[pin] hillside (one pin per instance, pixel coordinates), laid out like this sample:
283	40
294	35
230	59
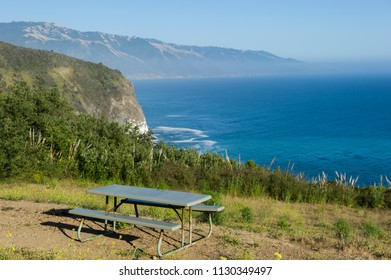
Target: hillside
145	58
91	88
249	229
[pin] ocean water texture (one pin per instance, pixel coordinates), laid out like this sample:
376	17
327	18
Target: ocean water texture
309	125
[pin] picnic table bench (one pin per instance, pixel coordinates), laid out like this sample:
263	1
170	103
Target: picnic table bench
149	197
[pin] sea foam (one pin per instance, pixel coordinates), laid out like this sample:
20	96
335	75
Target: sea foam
187	137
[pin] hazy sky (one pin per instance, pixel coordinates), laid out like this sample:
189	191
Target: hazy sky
308	30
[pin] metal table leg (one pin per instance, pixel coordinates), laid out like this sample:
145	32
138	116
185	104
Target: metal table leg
183	227
190	225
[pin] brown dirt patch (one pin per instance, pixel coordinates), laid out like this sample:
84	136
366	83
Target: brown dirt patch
48	230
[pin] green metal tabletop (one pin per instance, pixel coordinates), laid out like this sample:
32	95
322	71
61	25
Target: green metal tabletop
185	199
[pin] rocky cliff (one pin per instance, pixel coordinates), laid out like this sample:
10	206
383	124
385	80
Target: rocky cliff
88	87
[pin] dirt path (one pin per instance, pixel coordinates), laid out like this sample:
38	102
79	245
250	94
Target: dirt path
48	231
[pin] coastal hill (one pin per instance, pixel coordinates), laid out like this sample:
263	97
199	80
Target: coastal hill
140	58
90	88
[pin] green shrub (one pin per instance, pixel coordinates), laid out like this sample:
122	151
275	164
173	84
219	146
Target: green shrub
284	223
342	230
247	214
373	197
371	230
387	198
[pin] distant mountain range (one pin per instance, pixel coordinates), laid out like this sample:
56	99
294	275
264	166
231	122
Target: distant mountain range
140	58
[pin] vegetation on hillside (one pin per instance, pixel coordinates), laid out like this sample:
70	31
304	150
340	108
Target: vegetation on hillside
88	87
43	139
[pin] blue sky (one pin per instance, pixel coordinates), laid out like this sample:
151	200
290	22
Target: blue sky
308	30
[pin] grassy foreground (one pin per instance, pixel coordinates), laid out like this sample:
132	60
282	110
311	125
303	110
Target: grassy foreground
313	226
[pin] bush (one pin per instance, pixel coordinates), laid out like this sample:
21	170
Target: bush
247	214
371	230
284	224
342	230
40	134
387	198
373	197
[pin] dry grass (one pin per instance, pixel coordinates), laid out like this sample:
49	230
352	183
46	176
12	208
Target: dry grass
64	192
311	227
314	225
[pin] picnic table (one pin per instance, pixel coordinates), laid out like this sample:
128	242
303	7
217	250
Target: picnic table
180	202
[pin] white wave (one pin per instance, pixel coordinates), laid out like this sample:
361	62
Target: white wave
168	129
174	116
208	143
189	137
192	140
202	146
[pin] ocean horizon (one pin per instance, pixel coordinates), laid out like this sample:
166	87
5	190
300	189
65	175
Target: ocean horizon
304	124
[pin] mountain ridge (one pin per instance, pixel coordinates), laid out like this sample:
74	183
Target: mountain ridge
88	87
138	57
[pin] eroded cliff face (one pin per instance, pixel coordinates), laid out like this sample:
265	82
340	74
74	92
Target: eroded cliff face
88	87
117	104
124	108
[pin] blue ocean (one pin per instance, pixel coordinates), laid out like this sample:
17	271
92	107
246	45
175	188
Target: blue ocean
309	125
